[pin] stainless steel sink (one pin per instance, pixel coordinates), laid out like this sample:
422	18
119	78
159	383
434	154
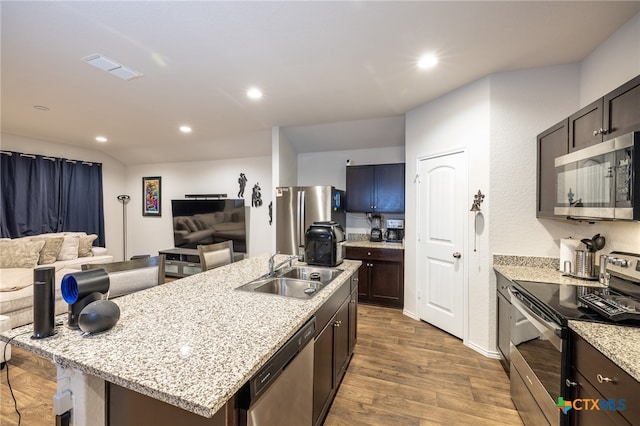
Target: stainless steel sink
302	282
310	273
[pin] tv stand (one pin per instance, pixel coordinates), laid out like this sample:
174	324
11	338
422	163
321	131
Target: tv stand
182	262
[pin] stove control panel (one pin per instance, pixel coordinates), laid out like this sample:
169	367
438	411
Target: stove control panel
626	265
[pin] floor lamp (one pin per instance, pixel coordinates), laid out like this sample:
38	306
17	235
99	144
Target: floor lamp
124	199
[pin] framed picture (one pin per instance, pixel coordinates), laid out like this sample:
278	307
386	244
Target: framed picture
151	196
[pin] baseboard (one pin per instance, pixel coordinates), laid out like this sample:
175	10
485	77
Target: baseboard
483	351
410	315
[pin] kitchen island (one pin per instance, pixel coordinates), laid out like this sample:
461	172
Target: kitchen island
191	343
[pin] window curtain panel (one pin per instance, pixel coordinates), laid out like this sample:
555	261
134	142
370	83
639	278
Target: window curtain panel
40	194
30	201
81	206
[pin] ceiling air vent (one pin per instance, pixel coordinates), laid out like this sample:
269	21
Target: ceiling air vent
112	67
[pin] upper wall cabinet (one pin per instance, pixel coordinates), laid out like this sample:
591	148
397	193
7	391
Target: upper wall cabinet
552	143
615	114
376	188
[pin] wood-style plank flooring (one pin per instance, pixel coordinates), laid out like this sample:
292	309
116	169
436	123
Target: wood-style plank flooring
406	372
403	372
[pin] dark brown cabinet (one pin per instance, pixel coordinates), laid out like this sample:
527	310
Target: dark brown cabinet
375	188
552	143
596	377
381	276
613	115
333	346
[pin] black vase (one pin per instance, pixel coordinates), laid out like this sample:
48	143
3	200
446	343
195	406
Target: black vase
43	302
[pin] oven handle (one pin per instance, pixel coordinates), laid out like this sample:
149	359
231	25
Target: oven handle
549	330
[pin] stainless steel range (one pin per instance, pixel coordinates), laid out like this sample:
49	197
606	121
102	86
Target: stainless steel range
540	346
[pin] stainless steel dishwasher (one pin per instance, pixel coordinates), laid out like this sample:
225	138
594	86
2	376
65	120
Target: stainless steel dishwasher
281	393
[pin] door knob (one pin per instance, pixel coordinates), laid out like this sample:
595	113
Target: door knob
457	255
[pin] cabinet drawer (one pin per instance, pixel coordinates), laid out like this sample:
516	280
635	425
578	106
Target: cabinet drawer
364	253
591	364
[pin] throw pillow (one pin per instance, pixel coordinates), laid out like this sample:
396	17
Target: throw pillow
51	249
12	279
69	249
86	243
20	254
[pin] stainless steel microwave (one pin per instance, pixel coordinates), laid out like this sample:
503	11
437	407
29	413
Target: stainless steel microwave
600	182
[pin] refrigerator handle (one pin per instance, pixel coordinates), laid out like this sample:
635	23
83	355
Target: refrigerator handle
301	218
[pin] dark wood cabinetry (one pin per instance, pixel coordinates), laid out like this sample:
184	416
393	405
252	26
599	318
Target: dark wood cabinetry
504	319
613	115
552	143
381	276
596	377
375	188
333	346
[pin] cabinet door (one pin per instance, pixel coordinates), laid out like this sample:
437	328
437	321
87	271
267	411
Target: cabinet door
552	143
323	370
593	417
504	314
387	283
341	341
353	320
364	280
389	188
585	125
622	109
359	197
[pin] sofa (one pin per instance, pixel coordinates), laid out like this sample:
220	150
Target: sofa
19	257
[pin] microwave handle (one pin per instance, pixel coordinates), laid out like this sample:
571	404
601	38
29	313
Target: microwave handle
549	331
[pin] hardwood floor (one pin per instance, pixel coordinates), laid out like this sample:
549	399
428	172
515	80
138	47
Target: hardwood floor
403	372
406	372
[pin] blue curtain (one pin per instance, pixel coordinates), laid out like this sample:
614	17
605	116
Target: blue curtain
30	201
42	194
81	207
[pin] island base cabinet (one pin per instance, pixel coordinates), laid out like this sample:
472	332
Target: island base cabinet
128	408
333	348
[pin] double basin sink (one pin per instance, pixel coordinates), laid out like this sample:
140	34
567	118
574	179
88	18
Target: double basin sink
302	282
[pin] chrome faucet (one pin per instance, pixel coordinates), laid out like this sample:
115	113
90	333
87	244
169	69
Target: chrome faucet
273	267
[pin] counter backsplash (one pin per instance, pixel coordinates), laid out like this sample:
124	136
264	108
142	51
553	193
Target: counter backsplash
530	261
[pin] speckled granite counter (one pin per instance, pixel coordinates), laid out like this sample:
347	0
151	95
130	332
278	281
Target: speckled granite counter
192	342
618	343
371	244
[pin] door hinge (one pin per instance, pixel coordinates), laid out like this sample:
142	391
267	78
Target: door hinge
417	179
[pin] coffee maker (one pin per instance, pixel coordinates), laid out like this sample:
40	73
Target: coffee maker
376	228
395	231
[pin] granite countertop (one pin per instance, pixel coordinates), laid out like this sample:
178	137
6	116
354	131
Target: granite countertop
621	344
372	244
192	342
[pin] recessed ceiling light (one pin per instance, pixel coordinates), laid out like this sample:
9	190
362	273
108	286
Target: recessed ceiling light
185	129
427	61
41	107
101	139
254	93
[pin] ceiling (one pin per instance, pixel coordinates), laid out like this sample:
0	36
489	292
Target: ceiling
335	75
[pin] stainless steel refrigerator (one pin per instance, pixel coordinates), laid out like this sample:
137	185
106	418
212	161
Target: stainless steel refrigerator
297	207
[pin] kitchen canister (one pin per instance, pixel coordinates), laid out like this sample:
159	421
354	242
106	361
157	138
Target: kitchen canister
568	246
585	264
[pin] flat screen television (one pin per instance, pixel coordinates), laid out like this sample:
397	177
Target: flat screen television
198	222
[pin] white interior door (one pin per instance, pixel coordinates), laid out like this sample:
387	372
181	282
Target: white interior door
441	218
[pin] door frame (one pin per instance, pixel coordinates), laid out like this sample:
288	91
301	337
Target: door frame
465	237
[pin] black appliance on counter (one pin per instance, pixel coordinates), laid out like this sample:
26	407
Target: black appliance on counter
376	228
395	231
540	346
324	244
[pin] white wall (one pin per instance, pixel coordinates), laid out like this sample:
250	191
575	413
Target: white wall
613	63
457	121
148	235
113	179
329	168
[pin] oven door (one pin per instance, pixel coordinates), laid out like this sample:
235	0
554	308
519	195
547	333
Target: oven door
537	363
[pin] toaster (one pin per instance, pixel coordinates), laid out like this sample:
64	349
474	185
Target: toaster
324	244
